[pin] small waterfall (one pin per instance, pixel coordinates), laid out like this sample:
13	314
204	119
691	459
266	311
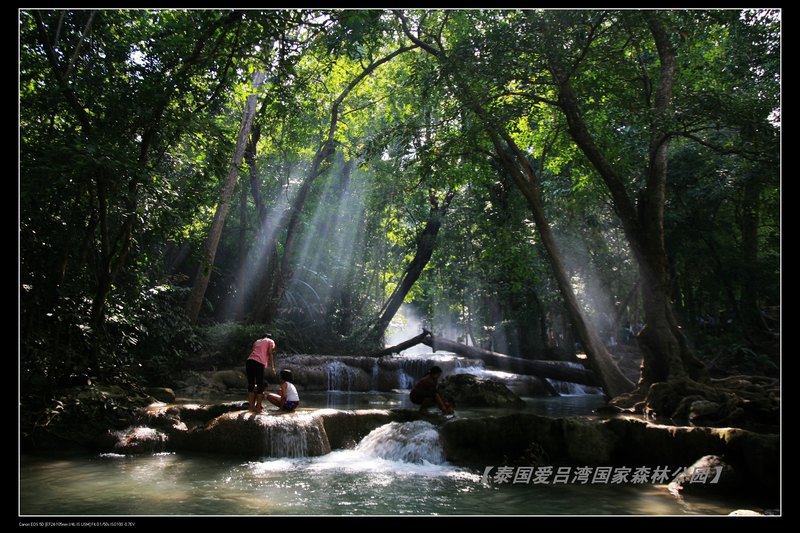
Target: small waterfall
409	442
294	436
375	375
404	381
566	388
408	369
340	376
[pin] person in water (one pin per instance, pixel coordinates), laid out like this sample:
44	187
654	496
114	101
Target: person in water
425	392
288	399
260	356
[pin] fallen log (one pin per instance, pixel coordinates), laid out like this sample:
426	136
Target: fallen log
405	345
543	369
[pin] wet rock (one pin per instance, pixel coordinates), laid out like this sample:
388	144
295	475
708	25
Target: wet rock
139	440
160	416
258	435
205	413
508	440
469	390
161	394
346	428
616	441
708	475
230	379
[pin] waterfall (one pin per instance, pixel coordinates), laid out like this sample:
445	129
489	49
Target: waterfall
375	374
299	435
566	388
340	376
404	381
574	389
408	442
410	368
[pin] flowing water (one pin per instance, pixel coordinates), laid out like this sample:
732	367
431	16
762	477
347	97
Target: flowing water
398	469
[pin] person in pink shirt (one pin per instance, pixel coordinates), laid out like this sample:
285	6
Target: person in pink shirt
260	356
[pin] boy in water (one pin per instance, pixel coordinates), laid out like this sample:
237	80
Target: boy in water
425	393
288	399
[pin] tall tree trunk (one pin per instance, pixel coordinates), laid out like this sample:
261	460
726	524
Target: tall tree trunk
236	305
665	350
612	379
749	304
527	180
198	293
279	273
426	242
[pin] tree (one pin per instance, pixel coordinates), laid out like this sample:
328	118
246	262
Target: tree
425	244
204	272
272	289
119	102
528	181
664	346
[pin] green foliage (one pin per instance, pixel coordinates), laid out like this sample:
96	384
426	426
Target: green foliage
228	344
126	132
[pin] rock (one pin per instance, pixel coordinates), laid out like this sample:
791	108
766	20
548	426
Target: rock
298	434
508	440
160	416
139	440
203	413
466	389
700	410
523	385
631	442
744	512
346	428
162	394
197	385
230	379
709	475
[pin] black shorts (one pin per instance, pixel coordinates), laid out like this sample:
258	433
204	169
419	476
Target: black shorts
419	399
255	376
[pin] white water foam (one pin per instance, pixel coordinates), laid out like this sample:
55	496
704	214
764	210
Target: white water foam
394	449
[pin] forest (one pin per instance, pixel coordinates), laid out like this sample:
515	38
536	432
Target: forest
537	183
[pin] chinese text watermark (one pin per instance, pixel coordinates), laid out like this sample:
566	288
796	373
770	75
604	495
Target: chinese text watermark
609	475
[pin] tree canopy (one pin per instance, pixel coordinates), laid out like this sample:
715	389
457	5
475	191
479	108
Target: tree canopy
477	166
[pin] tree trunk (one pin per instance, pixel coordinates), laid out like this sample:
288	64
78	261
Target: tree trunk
664	347
272	288
527	180
426	242
749	303
198	293
543	369
612	379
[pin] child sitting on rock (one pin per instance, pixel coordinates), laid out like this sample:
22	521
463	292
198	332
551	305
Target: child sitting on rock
288	399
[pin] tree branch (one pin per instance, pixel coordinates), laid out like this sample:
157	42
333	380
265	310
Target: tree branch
69	94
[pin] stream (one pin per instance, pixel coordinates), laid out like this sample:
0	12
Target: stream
398	469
